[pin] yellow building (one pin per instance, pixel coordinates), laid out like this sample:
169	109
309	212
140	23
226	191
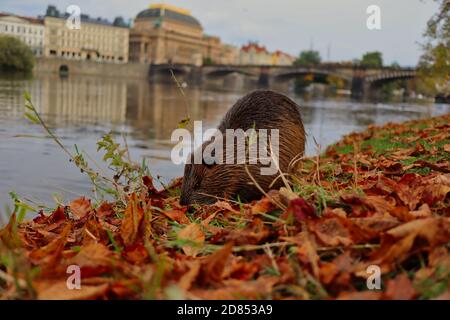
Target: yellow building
96	39
167	34
280	58
254	54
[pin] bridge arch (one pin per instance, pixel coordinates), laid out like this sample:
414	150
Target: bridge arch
386	77
223	72
166	69
316	73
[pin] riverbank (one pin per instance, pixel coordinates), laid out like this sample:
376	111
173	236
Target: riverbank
374	203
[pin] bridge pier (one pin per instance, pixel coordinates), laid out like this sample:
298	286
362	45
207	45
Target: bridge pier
264	78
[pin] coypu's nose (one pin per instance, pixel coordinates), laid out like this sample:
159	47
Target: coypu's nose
184	201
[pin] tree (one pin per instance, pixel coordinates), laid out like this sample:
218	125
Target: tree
120	22
372	59
434	66
308	58
15	55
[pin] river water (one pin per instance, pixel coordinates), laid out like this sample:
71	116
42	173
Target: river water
81	109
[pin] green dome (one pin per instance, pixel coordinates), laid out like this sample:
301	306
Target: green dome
167	13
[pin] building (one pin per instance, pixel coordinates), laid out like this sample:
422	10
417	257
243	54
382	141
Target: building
254	54
97	39
30	30
280	58
167	34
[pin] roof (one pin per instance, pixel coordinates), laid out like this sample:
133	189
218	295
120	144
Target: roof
254	46
282	53
170	12
53	12
29	19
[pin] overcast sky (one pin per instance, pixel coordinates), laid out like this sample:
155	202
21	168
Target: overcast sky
289	25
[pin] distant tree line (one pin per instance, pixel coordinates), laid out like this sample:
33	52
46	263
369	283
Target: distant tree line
15	55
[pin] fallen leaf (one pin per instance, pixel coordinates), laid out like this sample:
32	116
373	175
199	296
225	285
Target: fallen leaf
131	221
195	236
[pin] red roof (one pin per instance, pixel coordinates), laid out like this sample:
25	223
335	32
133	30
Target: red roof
254	46
282	53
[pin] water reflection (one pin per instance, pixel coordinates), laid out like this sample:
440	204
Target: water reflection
80	109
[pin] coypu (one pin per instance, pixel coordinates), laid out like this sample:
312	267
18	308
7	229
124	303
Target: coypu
260	109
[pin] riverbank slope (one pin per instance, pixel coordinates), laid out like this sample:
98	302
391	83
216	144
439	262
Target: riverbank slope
370	218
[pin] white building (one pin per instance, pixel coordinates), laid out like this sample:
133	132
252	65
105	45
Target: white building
30	30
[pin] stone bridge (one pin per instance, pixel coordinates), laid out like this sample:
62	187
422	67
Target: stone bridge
359	80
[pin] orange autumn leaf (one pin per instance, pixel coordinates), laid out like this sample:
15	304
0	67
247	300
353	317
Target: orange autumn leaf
195	237
131	221
80	208
59	291
177	215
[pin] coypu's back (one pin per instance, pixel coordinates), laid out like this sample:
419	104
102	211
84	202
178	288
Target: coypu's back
262	109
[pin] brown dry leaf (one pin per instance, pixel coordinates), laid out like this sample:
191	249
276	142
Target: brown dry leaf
409	189
447	147
51	290
338	271
331	232
360	295
262	206
225	206
214	265
8	235
177	215
92	255
195	236
237	289
306	250
254	233
399	288
434	193
189	277
51	253
131	220
379	204
397	243
135	254
424	211
80	208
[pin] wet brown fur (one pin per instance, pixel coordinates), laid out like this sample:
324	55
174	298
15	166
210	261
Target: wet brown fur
261	109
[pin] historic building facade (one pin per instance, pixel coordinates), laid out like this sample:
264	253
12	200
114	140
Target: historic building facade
254	54
30	31
167	34
280	58
96	40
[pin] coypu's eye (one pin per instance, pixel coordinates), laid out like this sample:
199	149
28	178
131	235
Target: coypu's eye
197	184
